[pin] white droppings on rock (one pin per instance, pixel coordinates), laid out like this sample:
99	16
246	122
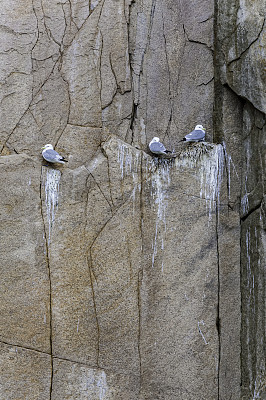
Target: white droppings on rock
229	163
208	162
129	161
51	185
244	198
160	181
244	203
102	386
93	4
202	323
260	386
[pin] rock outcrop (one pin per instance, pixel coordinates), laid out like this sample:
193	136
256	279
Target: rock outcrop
240	94
125	276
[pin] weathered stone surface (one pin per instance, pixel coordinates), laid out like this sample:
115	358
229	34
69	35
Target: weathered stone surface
25	303
120	273
240	43
79	382
25	374
253	179
18	32
175	95
243	43
253	306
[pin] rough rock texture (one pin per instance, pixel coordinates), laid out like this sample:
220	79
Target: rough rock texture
242	29
240	94
124	276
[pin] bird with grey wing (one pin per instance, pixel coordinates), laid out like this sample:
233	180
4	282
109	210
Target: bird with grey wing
50	155
197	135
156	147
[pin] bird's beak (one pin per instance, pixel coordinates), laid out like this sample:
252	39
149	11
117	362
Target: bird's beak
43	147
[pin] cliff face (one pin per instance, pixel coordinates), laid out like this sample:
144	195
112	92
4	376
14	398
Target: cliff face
240	89
125	276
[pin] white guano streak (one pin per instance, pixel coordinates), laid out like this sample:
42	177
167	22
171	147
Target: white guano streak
229	162
208	162
200	331
130	164
211	179
159	184
102	386
244	199
51	186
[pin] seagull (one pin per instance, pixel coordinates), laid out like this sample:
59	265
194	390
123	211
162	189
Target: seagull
197	135
158	148
50	155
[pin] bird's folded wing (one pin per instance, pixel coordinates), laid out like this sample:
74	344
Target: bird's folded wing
51	155
157	147
196	135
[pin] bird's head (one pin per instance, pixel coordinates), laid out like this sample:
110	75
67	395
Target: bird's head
199	127
48	147
155	139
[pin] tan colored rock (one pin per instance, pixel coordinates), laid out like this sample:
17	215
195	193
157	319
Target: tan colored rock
25	374
18	39
25	294
172	66
80	382
121	272
80	69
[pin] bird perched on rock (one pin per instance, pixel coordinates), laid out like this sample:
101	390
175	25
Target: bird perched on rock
156	147
197	135
50	155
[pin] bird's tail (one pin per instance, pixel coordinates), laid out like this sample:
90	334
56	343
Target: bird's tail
63	159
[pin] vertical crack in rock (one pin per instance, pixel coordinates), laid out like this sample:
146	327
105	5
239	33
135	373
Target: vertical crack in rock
220	162
46	241
134	116
169	85
140	272
92	276
228	164
218	320
153	6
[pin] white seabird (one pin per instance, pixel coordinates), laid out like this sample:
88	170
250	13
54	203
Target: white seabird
197	135
50	155
156	147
